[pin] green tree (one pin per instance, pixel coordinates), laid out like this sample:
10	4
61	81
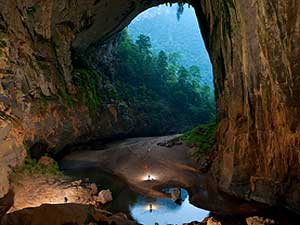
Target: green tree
144	44
158	87
162	64
195	73
183	76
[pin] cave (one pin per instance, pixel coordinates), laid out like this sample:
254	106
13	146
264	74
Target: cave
254	49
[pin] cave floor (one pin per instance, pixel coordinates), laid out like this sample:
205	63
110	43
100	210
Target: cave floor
169	165
134	160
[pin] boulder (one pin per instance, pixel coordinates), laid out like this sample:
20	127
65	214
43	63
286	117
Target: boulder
94	189
255	220
204	222
104	196
175	194
212	221
77	182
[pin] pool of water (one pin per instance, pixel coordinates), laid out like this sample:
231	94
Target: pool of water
163	211
143	209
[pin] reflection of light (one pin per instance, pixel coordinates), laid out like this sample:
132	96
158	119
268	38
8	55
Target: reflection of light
149	177
151	207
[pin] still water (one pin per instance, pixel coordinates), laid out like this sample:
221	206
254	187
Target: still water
164	211
143	209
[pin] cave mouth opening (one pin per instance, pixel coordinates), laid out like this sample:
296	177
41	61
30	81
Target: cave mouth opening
156	74
163	62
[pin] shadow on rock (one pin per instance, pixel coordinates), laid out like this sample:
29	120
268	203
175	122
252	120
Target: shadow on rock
6	203
64	214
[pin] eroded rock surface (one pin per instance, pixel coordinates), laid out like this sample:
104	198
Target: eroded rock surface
255	220
64	214
149	168
254	47
34	190
6	203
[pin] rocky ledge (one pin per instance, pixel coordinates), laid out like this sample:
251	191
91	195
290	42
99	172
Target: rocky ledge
63	214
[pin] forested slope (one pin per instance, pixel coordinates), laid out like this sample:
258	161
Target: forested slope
172	35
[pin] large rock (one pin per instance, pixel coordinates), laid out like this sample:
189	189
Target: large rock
212	221
255	220
254	47
94	189
175	194
64	214
104	196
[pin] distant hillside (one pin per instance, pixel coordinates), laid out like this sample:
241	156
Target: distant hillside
169	34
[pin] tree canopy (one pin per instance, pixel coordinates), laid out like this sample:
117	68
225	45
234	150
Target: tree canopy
159	86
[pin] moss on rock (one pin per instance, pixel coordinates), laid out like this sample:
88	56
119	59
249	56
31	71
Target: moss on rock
202	138
86	80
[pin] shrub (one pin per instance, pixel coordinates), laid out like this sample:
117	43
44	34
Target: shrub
201	137
32	167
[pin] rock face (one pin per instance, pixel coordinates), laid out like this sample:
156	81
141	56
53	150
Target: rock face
32	190
64	214
6	203
254	47
40	107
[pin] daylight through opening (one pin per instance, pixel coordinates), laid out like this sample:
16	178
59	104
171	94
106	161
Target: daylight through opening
157	81
164	71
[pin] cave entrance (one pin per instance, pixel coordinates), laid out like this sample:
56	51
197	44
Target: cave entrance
155	80
163	71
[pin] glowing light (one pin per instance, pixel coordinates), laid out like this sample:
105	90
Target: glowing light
151	207
149	177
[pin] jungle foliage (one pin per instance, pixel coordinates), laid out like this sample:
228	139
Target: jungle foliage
159	87
172	35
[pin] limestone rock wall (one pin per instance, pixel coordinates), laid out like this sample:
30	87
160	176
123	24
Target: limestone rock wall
254	47
39	108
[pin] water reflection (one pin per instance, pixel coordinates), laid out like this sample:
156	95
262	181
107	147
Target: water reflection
144	210
150	211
